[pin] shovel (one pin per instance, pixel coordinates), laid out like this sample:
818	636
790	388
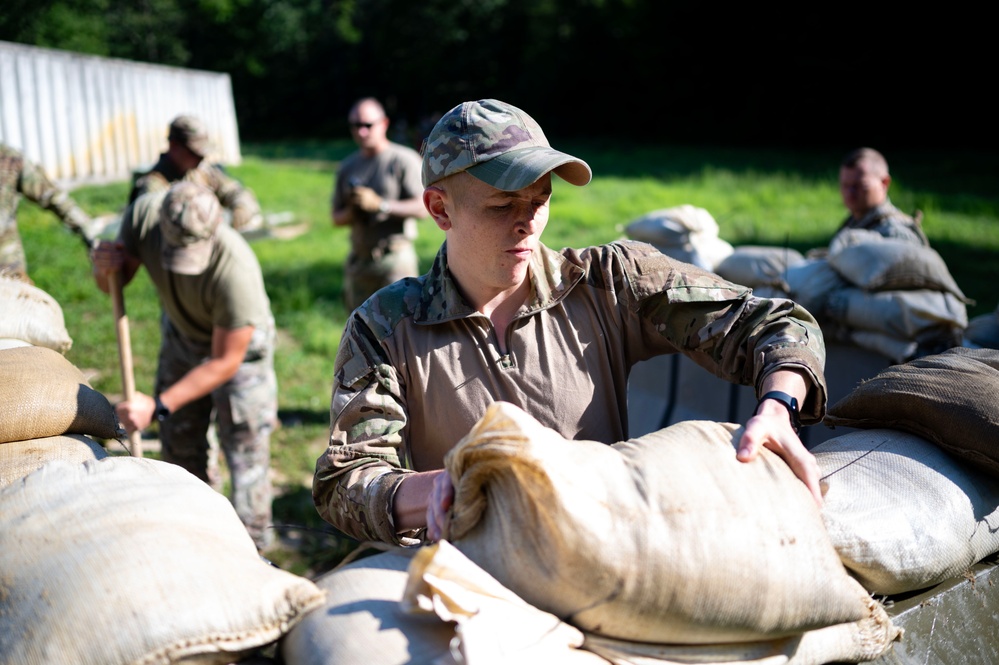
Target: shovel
124	354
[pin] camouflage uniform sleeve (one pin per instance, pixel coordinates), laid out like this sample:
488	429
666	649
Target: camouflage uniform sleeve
36	186
727	330
357	477
235	197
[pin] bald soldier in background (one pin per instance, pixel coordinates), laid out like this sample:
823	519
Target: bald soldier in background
21	177
379	195
185	159
863	184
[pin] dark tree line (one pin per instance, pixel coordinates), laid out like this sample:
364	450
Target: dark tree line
619	69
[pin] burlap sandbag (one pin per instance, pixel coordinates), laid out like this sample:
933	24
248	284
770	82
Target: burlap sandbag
684	232
44	394
32	315
753	265
128	560
493	625
902	513
19	458
361	621
810	282
950	398
892	265
665	538
902	314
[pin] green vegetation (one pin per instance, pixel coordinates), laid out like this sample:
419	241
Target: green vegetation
757	197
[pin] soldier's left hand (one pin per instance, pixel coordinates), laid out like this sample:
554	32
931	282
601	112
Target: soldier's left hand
365	198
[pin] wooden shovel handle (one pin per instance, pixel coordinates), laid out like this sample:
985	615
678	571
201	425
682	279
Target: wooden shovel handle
124	353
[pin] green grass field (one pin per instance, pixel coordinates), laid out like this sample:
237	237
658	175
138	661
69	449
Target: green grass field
757	197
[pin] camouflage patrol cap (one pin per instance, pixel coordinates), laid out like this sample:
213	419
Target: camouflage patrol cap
190	132
188	218
497	143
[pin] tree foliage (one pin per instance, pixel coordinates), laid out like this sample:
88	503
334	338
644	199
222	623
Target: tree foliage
677	71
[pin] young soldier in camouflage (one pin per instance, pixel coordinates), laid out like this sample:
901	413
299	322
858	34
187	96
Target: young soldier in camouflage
20	177
217	342
863	185
500	316
187	147
377	193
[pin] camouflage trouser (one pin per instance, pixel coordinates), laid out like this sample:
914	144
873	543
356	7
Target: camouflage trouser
245	412
362	277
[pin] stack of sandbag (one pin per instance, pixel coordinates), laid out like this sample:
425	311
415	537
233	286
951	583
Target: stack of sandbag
902	513
983	331
48	411
127	560
760	267
893	297
913	495
684	232
664	547
31	317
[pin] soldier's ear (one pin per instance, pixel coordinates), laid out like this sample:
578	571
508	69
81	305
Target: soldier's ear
435	200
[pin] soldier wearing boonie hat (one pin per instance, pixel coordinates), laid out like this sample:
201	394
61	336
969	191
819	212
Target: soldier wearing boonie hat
216	358
186	159
188	219
502	317
497	143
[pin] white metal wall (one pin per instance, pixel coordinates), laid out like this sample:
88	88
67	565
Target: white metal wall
86	118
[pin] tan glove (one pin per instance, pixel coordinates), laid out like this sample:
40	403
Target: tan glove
365	199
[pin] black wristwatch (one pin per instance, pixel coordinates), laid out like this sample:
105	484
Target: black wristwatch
162	412
791	403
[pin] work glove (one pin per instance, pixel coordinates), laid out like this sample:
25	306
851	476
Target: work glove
365	199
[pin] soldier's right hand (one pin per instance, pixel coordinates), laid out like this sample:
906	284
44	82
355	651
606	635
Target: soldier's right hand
107	257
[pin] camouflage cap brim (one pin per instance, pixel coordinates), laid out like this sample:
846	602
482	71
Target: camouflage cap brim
520	168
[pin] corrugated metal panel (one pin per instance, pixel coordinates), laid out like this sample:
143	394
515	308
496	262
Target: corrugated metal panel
85	118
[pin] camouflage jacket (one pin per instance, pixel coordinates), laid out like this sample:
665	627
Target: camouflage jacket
20	177
417	366
888	221
236	198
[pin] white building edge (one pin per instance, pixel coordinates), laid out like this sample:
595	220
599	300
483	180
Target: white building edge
88	119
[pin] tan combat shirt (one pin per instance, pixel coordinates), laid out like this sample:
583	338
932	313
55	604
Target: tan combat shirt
417	366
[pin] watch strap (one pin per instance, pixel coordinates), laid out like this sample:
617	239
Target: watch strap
789	402
162	412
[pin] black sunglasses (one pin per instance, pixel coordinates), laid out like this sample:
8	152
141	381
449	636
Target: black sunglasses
360	125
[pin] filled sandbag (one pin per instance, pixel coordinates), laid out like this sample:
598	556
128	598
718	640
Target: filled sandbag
902	513
950	398
128	560
19	458
494	625
810	282
891	265
685	232
635	541
32	315
754	265
43	394
906	314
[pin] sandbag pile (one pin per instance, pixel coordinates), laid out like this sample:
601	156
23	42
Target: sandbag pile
49	411
684	232
892	297
126	560
635	541
903	514
31	317
950	399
